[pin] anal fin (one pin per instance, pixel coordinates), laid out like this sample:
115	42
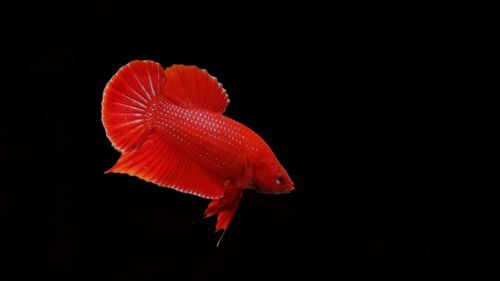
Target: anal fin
159	162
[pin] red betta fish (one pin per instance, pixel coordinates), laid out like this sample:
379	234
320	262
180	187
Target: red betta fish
170	130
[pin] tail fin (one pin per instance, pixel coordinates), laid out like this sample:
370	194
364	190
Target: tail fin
127	98
127	111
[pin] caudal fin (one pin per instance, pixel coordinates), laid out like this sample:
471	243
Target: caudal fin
127	98
146	153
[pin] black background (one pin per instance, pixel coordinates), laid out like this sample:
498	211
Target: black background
361	103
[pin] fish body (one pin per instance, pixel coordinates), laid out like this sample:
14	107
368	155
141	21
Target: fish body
170	128
219	144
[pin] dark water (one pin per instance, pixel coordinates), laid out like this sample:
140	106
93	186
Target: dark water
360	103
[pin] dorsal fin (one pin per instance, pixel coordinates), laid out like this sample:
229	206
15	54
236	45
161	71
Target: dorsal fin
189	86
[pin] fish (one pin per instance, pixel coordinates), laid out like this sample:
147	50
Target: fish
170	128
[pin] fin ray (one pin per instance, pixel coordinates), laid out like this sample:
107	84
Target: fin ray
126	101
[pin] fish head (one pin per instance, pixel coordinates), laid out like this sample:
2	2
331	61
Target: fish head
269	176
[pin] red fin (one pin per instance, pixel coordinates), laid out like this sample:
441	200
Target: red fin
126	98
155	161
190	86
225	208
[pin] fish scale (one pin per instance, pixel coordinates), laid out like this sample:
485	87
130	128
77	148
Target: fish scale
214	141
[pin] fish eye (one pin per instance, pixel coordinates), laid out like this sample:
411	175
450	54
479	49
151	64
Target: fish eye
280	180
